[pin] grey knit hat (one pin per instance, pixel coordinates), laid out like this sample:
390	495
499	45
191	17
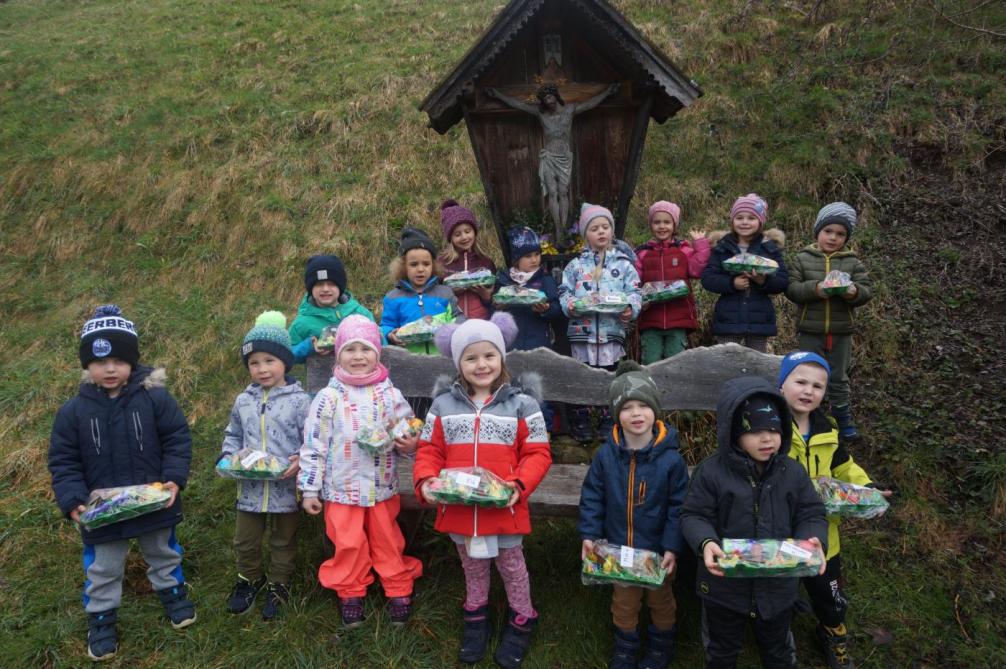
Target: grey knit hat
836	212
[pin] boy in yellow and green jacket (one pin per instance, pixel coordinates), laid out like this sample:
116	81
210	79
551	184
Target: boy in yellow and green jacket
825	322
803	377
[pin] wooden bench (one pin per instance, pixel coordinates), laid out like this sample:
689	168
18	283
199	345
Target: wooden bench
689	381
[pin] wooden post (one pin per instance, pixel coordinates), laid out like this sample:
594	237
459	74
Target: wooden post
635	158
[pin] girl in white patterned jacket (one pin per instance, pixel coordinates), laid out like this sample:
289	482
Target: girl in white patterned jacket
349	470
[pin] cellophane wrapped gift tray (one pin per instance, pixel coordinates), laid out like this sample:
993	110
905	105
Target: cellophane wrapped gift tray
326	340
113	505
608	564
743	263
770	557
836	282
663	291
602	303
252	464
850	500
471	486
419	331
472	279
519	295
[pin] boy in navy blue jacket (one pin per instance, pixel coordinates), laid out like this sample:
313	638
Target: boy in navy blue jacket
749	489
632	496
123	428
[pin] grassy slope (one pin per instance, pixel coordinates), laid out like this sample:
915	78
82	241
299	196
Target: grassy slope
183	158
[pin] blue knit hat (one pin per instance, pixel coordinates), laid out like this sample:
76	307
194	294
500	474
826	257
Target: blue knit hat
836	212
269	335
522	242
797	358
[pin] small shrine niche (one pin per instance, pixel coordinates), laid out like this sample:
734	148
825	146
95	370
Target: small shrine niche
557	96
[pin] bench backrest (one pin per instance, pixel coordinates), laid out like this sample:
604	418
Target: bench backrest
689	381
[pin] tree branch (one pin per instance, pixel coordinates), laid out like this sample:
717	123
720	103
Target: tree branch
949	20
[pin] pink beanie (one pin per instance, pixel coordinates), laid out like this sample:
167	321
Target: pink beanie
452	215
588	212
668	208
356	328
752	204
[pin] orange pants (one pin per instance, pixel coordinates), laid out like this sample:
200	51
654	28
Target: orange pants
367	538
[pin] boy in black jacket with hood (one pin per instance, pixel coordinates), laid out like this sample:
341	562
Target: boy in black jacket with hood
123	428
749	489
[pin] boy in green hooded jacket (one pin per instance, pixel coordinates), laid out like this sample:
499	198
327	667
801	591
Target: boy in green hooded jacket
325	303
825	321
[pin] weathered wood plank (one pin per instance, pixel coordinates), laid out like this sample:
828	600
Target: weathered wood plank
689	381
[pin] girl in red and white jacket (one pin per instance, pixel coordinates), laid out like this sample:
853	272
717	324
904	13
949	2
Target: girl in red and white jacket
483	420
664	326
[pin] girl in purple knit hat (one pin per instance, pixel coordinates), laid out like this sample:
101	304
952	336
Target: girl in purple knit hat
464	253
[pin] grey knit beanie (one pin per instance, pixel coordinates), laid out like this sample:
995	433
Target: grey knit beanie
836	212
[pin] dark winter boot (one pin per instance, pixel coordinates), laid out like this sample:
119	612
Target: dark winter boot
243	594
836	646
846	428
102	641
515	641
476	635
659	648
276	595
177	605
580	428
352	611
626	649
399	610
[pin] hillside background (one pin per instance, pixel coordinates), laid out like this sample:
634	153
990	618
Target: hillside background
182	159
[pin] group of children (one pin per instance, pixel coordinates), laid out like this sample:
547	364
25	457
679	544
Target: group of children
123	428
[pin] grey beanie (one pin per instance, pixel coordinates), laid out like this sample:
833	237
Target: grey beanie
836	212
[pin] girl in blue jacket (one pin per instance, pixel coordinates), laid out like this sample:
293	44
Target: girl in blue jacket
744	313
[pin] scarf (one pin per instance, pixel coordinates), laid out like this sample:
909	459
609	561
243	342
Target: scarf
520	278
379	374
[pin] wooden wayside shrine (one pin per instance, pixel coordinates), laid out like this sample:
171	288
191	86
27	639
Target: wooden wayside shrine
583	47
689	381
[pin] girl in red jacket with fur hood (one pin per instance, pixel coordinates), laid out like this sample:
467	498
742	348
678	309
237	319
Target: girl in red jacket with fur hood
482	420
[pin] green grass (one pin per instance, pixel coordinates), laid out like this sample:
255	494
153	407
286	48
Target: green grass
183	158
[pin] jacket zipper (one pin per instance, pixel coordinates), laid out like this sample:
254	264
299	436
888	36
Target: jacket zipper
827	302
96	435
628	499
138	429
663	311
261	427
756	491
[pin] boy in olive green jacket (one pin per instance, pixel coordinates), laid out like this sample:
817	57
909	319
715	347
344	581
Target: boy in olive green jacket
825	322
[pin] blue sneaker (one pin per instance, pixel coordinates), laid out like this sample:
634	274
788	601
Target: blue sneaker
846	427
102	641
177	606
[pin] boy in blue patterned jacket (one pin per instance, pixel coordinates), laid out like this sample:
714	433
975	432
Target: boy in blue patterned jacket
268	416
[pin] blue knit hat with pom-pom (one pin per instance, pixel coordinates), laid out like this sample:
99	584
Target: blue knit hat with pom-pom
268	335
107	334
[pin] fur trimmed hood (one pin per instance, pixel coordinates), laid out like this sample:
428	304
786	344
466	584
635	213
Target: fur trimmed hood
775	235
154	377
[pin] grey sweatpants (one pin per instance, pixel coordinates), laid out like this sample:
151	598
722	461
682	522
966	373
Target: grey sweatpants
104	565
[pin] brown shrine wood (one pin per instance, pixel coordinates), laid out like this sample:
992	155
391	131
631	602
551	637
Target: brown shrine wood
689	381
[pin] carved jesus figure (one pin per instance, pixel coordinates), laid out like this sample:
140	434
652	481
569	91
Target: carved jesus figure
555	162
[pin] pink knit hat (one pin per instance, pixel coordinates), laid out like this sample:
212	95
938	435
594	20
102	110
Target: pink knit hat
752	204
452	215
668	208
588	212
357	328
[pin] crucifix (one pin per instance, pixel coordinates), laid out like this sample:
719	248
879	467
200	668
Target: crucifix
555	161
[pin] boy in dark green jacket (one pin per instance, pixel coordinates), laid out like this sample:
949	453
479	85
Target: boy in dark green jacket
326	302
825	322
